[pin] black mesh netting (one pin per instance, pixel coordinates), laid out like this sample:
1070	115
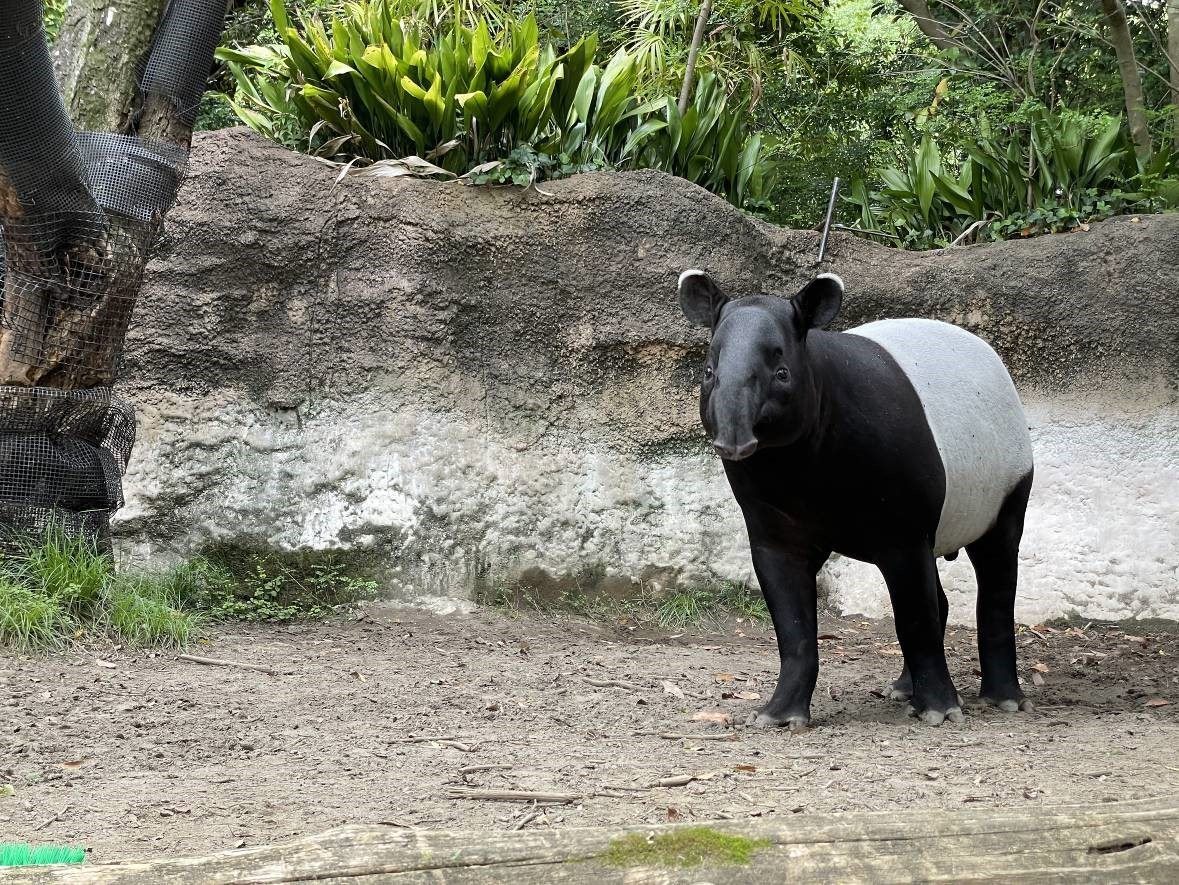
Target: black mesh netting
81	212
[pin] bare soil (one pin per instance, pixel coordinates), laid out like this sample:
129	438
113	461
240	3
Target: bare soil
140	755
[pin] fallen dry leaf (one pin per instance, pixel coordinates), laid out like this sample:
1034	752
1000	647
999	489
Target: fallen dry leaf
1040	667
106	664
723	677
1037	679
1156	702
744	767
73	763
674	814
672	689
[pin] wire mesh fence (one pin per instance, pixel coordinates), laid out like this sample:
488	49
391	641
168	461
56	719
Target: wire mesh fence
79	213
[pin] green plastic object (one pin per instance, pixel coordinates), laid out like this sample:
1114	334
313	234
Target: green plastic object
21	854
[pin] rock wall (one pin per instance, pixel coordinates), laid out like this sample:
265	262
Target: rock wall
482	385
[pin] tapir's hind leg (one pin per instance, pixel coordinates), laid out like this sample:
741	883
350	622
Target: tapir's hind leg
995	557
911	576
902	689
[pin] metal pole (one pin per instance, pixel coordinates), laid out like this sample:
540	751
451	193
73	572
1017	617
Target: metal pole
827	220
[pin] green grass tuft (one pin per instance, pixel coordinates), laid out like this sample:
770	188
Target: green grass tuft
690	847
19	854
31	621
142	612
64	588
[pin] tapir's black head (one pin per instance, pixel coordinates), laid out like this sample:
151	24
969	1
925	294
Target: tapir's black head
757	389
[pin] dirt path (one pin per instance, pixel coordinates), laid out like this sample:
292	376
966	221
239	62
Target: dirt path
137	756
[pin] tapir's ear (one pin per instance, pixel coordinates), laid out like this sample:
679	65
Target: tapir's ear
700	299
819	301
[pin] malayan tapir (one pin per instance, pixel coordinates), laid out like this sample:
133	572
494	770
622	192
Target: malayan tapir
893	443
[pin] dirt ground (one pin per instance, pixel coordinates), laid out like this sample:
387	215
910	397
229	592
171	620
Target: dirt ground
381	716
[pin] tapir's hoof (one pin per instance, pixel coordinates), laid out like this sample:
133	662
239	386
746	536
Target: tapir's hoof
937	717
795	723
1011	705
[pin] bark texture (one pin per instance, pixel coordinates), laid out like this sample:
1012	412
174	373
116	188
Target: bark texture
1123	42
1173	65
929	25
693	53
98	56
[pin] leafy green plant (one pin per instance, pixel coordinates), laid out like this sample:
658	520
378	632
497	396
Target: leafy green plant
379	87
741	46
54	13
1059	173
270	587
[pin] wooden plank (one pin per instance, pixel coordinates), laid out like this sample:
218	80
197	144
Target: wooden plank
1126	842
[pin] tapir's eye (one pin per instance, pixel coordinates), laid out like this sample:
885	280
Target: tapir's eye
783	374
708	373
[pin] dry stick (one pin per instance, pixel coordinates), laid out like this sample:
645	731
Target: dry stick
966	233
218	662
670	736
445	740
512	795
612	683
53	819
471	769
527	819
678	780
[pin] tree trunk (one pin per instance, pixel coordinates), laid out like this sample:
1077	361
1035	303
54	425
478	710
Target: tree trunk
73	267
693	51
98	57
1123	43
929	25
1173	61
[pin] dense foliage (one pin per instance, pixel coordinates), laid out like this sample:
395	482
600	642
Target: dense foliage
380	86
947	121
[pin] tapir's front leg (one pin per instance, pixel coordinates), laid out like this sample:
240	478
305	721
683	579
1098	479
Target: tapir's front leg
787	579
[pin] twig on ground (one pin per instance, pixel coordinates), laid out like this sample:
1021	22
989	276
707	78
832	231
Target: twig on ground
471	769
53	819
442	740
528	818
218	662
612	683
678	780
675	736
512	796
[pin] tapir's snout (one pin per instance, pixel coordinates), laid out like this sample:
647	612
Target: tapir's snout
735	452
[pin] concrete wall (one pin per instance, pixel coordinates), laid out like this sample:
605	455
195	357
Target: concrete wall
488	385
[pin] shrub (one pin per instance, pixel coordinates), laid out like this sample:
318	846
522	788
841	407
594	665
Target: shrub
1059	172
377	86
260	585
